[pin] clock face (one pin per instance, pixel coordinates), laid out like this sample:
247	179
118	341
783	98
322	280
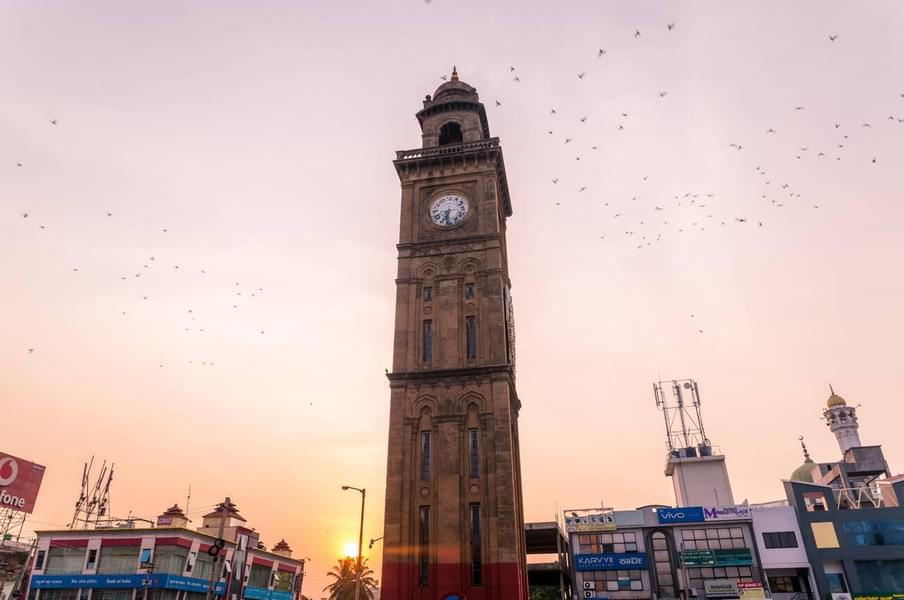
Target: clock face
449	210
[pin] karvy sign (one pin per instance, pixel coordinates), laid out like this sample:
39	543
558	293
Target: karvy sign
610	561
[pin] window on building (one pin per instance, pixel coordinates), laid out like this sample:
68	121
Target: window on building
424	546
598	543
284	581
815	502
170	559
471	327
162	594
469	291
203	565
473	453
428	294
784	584
877	576
118	559
425	455
62	561
713	538
836	582
61	594
428	341
92	560
109	595
662	565
190	563
145	558
696	576
450	133
779	539
875	533
39	560
259	576
614	581
476	546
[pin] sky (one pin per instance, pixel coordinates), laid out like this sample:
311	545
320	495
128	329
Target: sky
226	327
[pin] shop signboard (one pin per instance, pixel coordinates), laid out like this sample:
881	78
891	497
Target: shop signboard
750	590
610	561
740	557
726	513
721	588
123	582
587	520
685	514
880	596
20	481
258	593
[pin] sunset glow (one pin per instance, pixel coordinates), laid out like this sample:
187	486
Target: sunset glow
199	219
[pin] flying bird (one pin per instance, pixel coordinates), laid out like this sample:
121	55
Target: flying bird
600	53
581	75
833	37
53	121
670	26
662	94
637	33
498	103
799	107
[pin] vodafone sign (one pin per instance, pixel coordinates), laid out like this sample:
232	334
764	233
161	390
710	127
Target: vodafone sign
20	481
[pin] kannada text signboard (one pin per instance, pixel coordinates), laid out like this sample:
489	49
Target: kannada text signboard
610	561
587	520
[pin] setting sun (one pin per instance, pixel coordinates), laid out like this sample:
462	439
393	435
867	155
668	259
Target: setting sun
350	549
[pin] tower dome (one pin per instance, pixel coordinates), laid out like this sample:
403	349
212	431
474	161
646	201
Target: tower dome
835	401
453	115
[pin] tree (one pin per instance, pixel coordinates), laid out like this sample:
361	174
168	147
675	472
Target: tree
344	574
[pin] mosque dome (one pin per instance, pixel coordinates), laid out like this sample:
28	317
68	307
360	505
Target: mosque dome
803	472
835	401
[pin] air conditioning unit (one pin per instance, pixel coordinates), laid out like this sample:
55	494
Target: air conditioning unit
589	594
589	585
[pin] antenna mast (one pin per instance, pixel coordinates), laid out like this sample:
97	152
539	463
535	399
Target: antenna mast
93	504
685	435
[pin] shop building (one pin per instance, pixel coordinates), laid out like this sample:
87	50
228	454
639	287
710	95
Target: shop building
850	513
786	566
168	561
665	552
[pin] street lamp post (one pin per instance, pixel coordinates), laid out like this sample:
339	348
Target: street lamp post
360	539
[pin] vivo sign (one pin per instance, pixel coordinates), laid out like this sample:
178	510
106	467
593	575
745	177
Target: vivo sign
610	561
687	514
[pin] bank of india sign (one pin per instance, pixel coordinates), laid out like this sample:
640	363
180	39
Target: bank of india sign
20	481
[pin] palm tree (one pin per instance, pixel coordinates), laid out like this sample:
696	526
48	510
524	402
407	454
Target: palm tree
344	573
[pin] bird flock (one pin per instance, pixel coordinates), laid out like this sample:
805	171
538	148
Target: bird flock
236	296
642	220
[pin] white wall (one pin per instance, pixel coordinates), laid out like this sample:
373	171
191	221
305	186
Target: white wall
778	518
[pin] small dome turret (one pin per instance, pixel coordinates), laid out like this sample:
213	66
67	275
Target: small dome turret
453	115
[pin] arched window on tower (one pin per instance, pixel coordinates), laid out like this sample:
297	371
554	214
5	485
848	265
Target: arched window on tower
450	133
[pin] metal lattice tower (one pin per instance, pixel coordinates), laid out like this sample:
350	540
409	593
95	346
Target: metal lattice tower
685	434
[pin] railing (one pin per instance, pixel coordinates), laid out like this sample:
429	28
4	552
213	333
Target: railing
447	150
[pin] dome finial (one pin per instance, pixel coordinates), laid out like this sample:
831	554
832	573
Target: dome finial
807	458
454	73
831	389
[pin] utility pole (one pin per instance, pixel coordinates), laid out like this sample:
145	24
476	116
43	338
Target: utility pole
360	539
218	545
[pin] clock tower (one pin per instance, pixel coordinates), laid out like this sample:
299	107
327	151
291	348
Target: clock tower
454	524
